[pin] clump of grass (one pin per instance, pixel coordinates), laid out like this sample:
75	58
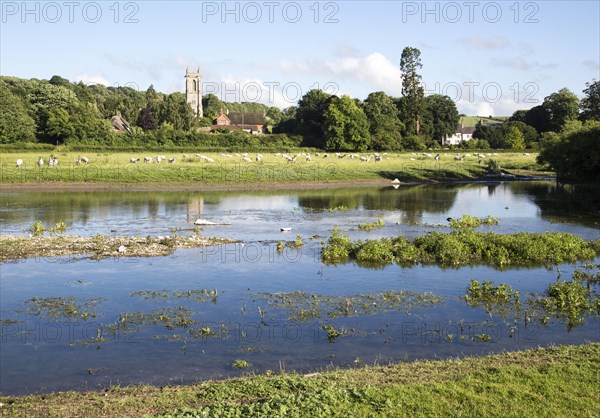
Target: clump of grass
332	333
493	166
467	221
37	229
499	298
59	228
338	247
338	208
463	247
368	226
240	364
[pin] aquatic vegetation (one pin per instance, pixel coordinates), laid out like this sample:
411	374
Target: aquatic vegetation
467	221
569	301
368	226
62	308
332	333
338	208
500	299
338	247
303	307
463	247
198	295
37	229
240	364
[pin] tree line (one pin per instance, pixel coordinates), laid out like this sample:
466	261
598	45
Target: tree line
57	111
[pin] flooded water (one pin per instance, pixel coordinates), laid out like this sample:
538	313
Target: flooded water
75	323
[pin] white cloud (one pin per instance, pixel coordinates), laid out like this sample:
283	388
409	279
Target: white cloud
92	79
373	70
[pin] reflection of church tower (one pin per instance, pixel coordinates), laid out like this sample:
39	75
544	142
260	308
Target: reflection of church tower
195	207
193	91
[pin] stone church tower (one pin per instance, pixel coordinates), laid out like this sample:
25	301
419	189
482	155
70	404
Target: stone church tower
193	91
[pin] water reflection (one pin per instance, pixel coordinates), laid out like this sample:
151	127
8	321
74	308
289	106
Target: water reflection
100	211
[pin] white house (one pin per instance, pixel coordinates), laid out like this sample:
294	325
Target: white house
462	134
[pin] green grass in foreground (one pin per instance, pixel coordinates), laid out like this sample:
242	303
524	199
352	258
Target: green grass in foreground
557	381
115	167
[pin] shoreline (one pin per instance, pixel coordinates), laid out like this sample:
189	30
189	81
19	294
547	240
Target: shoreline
236	186
568	371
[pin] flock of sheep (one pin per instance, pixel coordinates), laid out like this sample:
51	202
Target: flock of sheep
245	157
52	161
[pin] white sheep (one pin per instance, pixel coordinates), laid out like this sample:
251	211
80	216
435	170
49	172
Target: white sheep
172	160
19	163
308	158
40	162
258	158
148	160
134	160
246	160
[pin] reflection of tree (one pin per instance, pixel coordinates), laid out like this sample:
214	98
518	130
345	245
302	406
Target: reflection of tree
559	203
410	199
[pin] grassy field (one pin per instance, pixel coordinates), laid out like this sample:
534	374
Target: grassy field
114	167
557	381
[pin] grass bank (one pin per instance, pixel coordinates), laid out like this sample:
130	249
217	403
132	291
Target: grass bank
556	381
231	168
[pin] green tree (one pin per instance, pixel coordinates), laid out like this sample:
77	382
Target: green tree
176	111
412	90
561	107
514	138
311	112
212	106
346	126
58	125
440	117
574	155
385	126
15	123
146	119
529	133
590	104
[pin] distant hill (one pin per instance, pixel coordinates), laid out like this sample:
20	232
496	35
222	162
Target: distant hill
467	121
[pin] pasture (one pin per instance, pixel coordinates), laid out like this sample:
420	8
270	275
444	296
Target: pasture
252	168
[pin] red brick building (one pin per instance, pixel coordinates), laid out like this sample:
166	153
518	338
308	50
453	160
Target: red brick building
250	122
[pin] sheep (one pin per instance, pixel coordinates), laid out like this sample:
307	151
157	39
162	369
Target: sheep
525	153
40	162
19	163
378	157
325	155
480	156
437	157
246	160
85	160
258	158
185	156
458	158
172	160
52	161
245	155
308	158
134	160
148	160
159	158
292	159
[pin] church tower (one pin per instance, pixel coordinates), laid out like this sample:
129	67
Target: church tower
193	91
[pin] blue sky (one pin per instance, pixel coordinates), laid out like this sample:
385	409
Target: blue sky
490	57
